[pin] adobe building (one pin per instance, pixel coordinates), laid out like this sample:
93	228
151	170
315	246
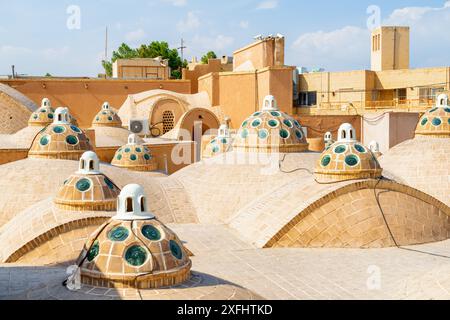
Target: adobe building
389	85
197	69
142	68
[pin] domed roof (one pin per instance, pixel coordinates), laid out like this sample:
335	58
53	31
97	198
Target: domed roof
134	156
347	159
107	117
42	116
60	140
88	189
134	249
270	130
220	144
436	121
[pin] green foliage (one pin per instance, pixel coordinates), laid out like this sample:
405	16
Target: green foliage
153	50
209	55
48	75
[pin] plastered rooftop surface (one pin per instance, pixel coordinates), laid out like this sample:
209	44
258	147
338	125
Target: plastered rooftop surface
242	225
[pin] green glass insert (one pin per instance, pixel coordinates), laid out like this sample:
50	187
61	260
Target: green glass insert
298	134
176	250
50	115
263	134
326	160
360	148
424	121
273	123
93	251
297	124
146	156
43	110
244	134
119	157
433	110
351	160
138	150
215	149
244	124
340	149
127	150
436	122
110	118
256	123
59	129
75	129
35	116
133	157
83	185
118	234
72	140
136	256
151	233
288	123
109	183
97	119
284	134
275	114
257	114
224	141
45	140
447	110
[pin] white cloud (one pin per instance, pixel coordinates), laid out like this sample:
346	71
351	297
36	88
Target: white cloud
190	23
135	35
176	3
244	24
216	43
14	50
342	49
348	48
267	4
55	53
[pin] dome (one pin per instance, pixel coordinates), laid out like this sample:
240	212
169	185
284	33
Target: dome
88	189
436	122
134	249
42	116
270	130
60	140
347	159
134	156
107	117
220	144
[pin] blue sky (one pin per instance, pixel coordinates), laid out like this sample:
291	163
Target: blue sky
332	34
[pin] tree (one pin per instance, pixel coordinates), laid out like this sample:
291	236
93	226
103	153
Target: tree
209	55
153	50
48	75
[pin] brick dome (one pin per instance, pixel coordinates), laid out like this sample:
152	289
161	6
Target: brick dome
60	140
270	130
107	117
134	156
88	189
347	159
134	249
436	121
43	116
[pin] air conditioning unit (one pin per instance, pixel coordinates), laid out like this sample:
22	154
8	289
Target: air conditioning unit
139	127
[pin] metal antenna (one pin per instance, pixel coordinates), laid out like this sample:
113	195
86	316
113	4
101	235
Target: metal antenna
181	48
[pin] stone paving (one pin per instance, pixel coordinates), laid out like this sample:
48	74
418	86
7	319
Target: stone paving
225	267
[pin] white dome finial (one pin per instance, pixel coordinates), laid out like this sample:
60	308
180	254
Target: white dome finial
45	102
374	146
328	137
89	163
105	106
442	101
132	204
346	133
270	104
62	116
224	131
132	139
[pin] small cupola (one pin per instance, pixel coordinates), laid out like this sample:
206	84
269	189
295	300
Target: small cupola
435	122
89	163
328	137
270	104
107	117
346	133
132	204
61	116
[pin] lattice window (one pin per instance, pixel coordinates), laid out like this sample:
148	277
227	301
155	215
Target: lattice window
168	121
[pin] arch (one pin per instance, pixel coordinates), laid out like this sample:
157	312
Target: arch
82	164
91	165
162	106
129	205
143	204
208	118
